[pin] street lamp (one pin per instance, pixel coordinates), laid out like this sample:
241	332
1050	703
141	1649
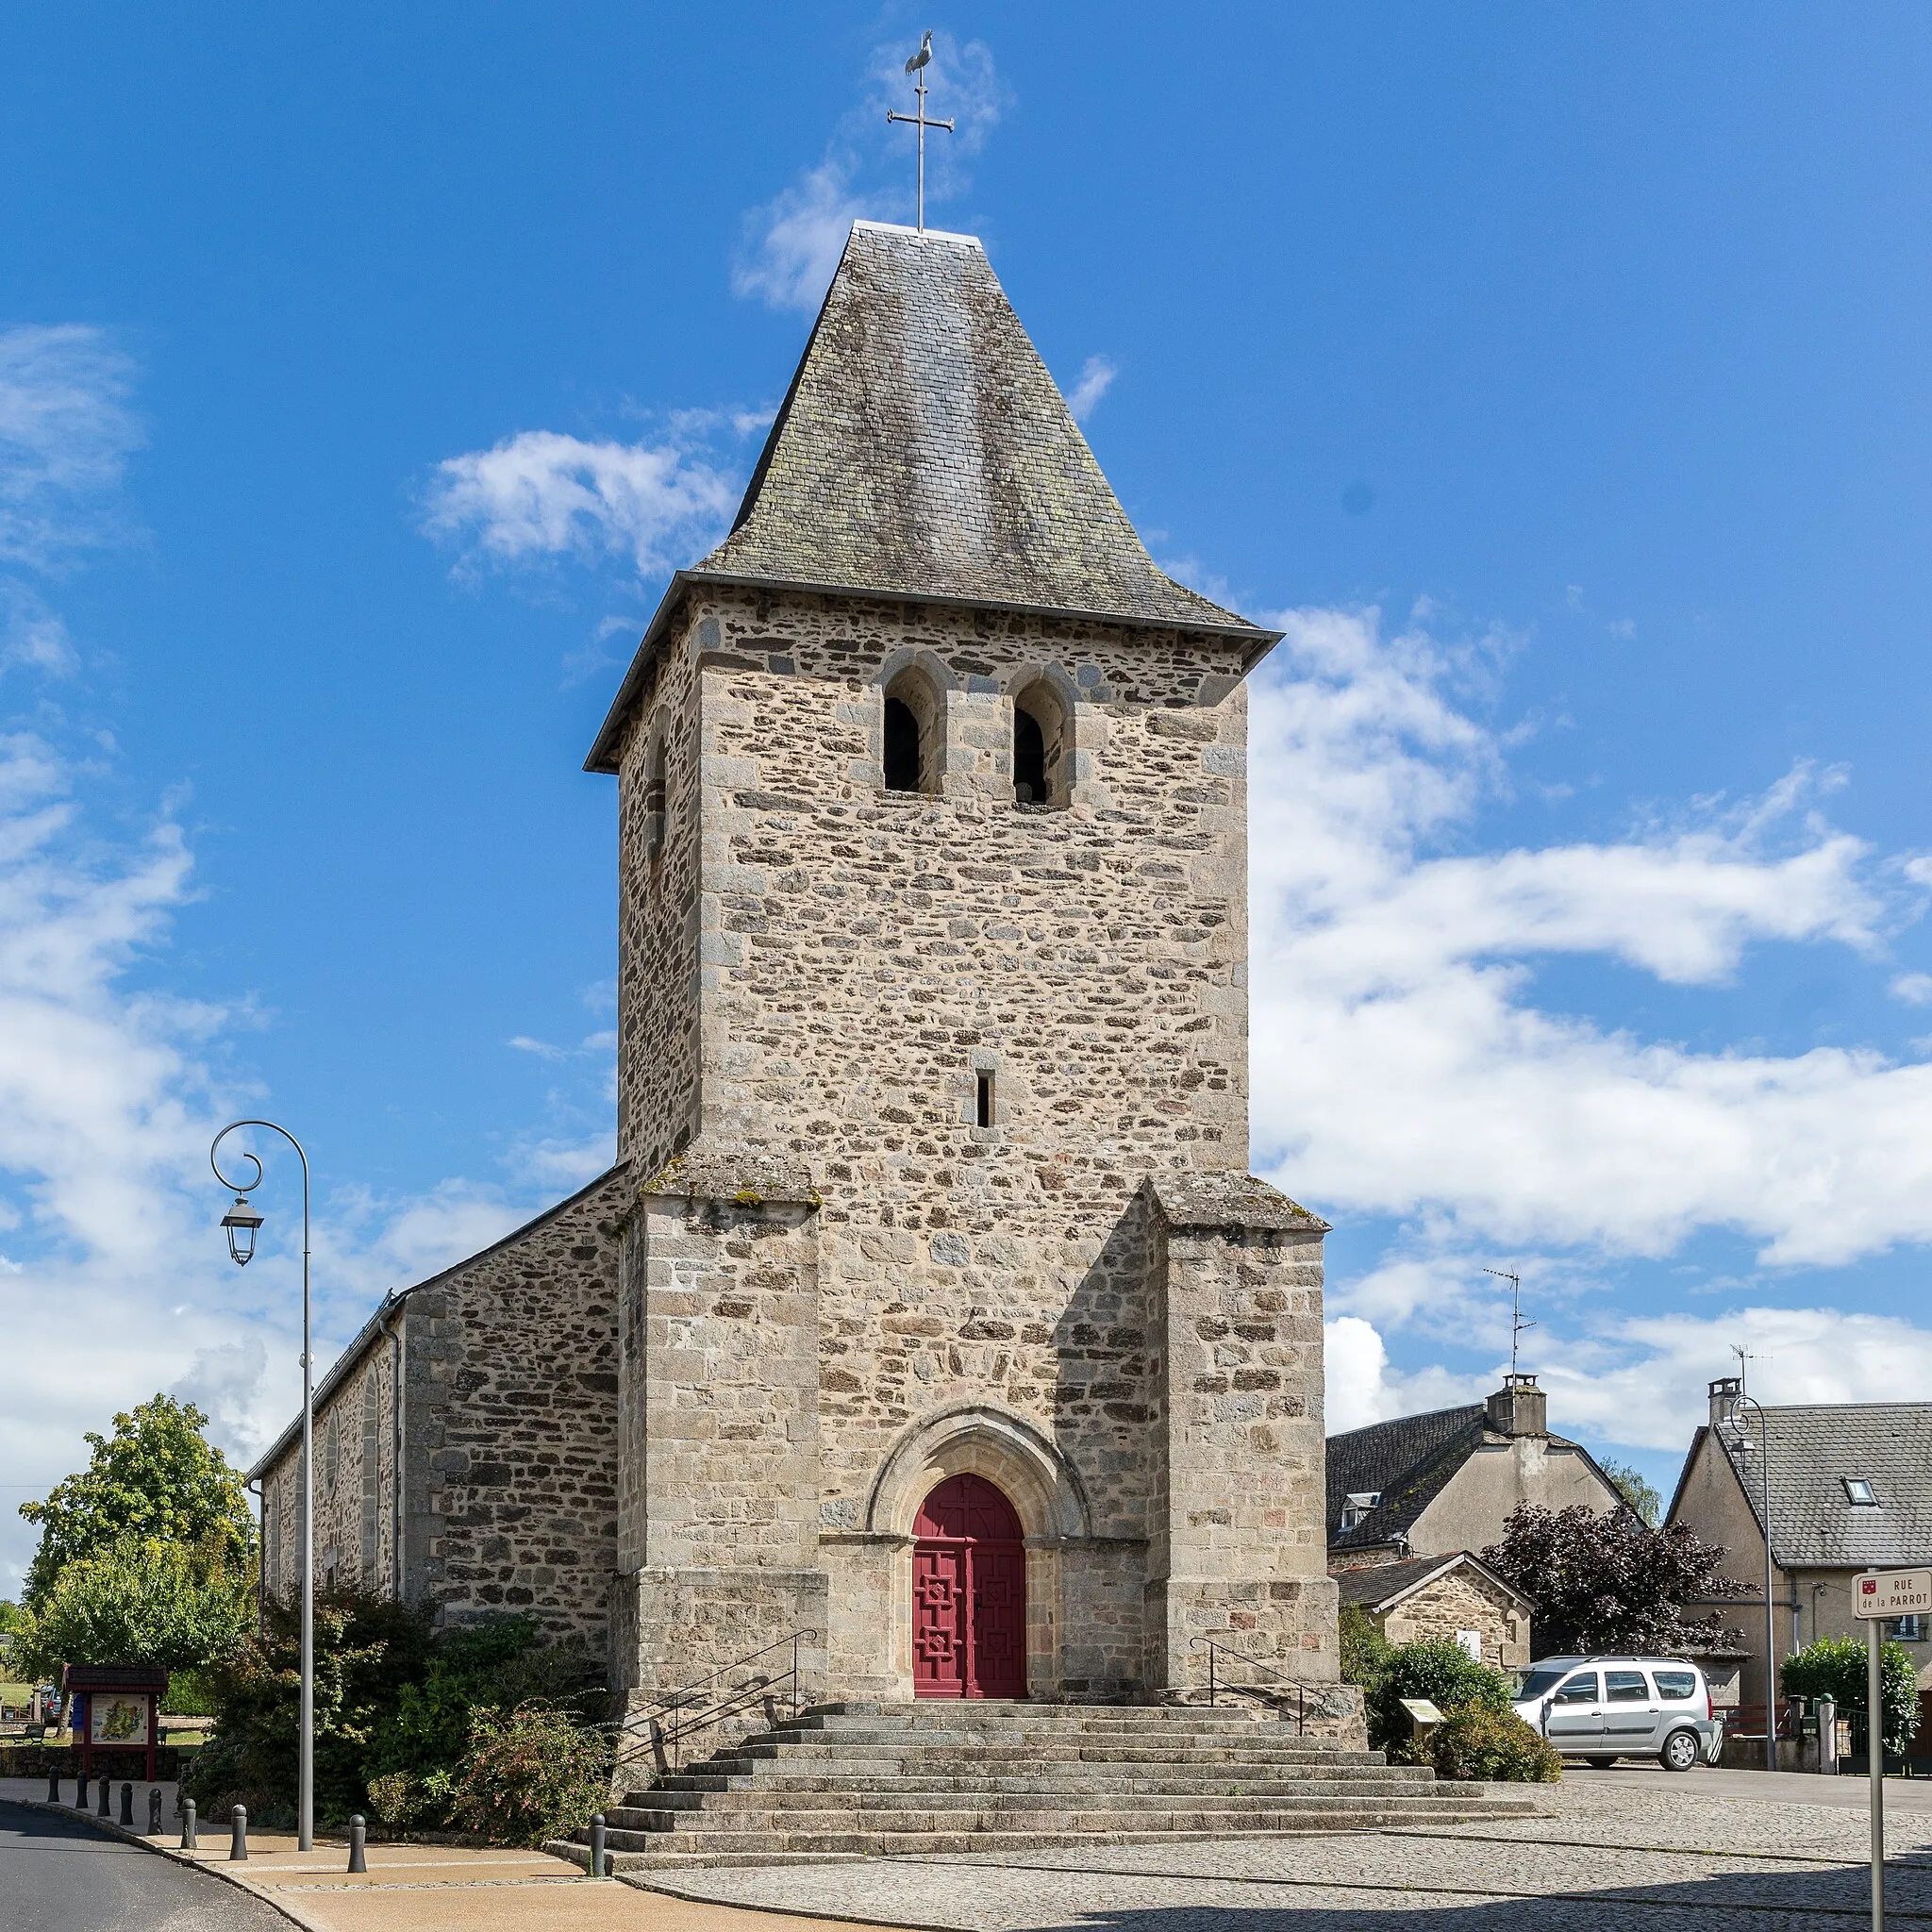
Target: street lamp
242	1222
1733	1432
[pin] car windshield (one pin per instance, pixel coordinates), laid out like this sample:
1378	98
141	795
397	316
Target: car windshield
1539	1683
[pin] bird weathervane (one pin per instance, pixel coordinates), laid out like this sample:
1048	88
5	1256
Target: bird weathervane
917	66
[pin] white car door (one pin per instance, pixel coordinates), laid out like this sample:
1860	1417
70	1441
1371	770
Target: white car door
1630	1714
1576	1717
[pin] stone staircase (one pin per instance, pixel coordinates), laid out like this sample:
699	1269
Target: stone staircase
856	1780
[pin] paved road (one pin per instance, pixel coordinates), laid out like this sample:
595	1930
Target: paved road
57	1876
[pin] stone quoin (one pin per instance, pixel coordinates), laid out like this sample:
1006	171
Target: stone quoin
932	1109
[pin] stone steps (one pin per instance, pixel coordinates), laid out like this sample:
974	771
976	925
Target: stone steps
875	1782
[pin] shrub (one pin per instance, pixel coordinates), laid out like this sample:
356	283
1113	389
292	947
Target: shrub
1474	1742
1836	1667
1440	1670
1365	1652
532	1774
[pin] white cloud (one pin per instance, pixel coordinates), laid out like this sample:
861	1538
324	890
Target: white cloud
542	494
66	432
32	635
790	245
1915	988
1401	1064
1096	378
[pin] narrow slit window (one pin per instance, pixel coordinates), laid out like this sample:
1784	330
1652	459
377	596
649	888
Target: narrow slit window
1029	760
901	747
985	1101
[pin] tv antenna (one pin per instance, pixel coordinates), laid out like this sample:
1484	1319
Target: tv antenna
1518	1326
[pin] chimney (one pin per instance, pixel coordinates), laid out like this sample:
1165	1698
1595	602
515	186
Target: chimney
1723	1394
1519	1408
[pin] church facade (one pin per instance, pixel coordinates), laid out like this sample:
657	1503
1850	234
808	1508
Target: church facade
930	1309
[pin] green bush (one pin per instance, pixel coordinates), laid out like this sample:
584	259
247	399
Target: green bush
190	1693
1365	1652
1437	1668
394	1708
531	1774
1474	1742
1836	1667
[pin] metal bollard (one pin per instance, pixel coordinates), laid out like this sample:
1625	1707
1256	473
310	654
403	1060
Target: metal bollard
357	1837
80	1792
127	1806
238	1833
106	1787
52	1788
188	1840
597	1845
153	1810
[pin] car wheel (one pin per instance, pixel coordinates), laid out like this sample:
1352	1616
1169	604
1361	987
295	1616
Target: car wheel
1682	1749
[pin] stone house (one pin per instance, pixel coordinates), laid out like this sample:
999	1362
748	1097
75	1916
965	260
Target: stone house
1432	1484
930	1310
1851	1490
1456	1596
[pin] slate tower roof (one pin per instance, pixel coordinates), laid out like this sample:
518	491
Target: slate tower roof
923	452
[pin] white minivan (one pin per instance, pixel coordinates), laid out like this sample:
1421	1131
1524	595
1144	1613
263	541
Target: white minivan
1601	1708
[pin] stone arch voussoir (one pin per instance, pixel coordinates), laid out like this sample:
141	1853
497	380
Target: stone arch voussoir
1013	1454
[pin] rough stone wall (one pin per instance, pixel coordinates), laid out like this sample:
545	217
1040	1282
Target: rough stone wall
864	958
510	1423
1237	1553
355	1487
1462	1601
657	1074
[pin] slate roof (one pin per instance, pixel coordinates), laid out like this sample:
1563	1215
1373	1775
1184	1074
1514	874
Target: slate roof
924	453
1814	1525
1407	1460
1374	1585
924	450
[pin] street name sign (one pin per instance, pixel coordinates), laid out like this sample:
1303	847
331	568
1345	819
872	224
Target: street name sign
1886	1593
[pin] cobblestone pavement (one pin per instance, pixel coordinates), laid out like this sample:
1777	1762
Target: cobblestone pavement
1609	1857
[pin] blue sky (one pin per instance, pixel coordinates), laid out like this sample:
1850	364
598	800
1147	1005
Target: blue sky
1555	376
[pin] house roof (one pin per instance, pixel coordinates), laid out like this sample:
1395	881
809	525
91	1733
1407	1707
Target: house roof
1406	1460
923	452
1410	1461
1382	1585
1814	1525
378	1323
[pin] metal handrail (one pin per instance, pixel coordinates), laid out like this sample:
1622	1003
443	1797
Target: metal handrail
683	1713
1255	1691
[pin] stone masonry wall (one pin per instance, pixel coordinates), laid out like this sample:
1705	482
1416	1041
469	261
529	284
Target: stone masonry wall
508	1435
1237	1552
1460	1602
863	957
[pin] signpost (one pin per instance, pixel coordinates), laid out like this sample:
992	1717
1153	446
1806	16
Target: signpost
1879	1596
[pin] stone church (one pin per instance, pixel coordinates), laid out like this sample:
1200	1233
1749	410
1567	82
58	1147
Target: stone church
930	1308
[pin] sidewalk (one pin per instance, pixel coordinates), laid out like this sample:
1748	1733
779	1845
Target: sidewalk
412	1888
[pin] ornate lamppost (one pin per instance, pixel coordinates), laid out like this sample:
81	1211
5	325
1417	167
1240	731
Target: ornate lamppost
1733	1432
243	1222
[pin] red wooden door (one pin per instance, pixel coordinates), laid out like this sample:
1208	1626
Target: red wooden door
969	1595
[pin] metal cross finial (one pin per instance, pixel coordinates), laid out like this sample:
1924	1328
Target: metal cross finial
917	66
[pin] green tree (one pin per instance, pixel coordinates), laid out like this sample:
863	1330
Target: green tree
1836	1667
1630	1485
139	1602
157	1479
1365	1652
1603	1581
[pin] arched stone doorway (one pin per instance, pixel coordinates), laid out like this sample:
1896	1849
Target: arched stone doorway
969	1594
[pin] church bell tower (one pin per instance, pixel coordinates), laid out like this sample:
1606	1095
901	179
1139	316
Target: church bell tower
953	1331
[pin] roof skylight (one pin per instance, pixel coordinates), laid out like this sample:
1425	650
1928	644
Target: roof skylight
1859	1492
